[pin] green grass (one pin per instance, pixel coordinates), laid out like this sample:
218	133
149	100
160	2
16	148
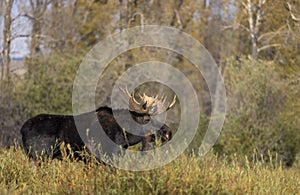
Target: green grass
185	175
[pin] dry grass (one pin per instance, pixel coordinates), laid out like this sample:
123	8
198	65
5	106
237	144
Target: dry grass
185	175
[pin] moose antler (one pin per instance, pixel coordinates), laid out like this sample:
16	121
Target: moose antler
148	104
134	105
157	105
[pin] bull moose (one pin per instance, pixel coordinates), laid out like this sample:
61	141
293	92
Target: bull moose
43	134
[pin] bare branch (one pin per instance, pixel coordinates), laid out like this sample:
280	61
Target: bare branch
268	46
289	8
17	17
134	17
178	18
30	17
18	36
271	35
244	27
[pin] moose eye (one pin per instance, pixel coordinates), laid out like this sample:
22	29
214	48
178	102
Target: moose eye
144	106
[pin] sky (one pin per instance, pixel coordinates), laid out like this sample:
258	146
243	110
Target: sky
19	46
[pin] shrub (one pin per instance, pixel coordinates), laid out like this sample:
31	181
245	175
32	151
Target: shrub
257	101
48	85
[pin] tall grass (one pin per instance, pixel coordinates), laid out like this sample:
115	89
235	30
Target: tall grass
185	175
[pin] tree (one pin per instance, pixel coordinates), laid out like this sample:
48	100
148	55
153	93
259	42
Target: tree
6	39
94	20
254	12
265	31
35	14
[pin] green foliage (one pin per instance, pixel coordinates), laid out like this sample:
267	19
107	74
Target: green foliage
48	85
257	99
199	136
185	175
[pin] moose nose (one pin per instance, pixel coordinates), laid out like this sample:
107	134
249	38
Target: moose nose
147	119
168	135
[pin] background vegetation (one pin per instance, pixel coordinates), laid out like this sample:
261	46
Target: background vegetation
256	45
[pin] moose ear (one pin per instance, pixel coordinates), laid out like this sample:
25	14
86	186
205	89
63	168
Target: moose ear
144	106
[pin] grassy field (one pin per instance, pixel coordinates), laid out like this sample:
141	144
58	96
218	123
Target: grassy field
185	175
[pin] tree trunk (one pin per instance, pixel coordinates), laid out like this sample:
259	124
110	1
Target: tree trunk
254	19
38	9
57	33
123	14
6	40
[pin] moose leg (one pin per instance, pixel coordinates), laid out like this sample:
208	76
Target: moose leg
146	142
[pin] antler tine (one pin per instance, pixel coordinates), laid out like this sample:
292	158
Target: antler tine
133	103
140	96
129	95
161	104
163	99
172	103
133	99
124	95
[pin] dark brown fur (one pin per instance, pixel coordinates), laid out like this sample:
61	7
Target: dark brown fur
43	134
